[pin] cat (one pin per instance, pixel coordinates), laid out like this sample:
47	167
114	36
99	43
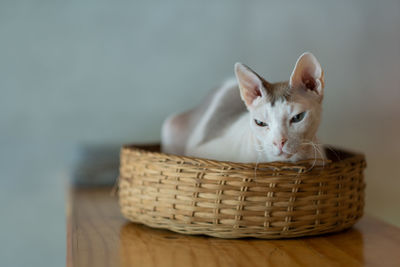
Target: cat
249	119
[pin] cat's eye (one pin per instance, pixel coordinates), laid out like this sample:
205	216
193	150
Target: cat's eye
298	117
260	123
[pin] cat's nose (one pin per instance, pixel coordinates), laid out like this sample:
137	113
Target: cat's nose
280	143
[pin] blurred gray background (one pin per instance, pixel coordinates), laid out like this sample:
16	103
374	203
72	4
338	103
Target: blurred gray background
103	73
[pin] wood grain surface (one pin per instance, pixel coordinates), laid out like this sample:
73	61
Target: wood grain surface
98	235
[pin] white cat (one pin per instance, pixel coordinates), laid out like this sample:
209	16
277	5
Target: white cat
276	122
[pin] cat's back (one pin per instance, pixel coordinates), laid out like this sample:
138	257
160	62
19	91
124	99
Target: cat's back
183	132
221	109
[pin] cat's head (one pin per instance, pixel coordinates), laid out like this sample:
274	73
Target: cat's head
284	116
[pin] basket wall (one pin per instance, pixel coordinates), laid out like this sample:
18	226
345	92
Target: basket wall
232	200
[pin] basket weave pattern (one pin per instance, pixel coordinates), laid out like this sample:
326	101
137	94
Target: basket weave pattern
232	200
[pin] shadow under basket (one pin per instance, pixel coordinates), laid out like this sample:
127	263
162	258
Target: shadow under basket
233	200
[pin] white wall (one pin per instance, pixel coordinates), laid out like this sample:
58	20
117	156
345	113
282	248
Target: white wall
98	72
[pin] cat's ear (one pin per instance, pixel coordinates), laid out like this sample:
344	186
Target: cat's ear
308	74
250	84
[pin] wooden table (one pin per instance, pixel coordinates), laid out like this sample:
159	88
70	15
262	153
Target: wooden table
98	235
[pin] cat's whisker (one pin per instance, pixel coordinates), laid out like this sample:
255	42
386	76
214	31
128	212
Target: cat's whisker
320	153
317	148
329	147
315	159
333	151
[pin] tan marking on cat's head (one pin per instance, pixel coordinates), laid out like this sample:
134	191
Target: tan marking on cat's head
275	91
279	91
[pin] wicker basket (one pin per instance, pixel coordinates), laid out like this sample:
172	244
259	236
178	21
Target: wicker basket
231	200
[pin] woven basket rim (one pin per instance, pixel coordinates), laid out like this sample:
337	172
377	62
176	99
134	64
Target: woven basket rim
347	157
